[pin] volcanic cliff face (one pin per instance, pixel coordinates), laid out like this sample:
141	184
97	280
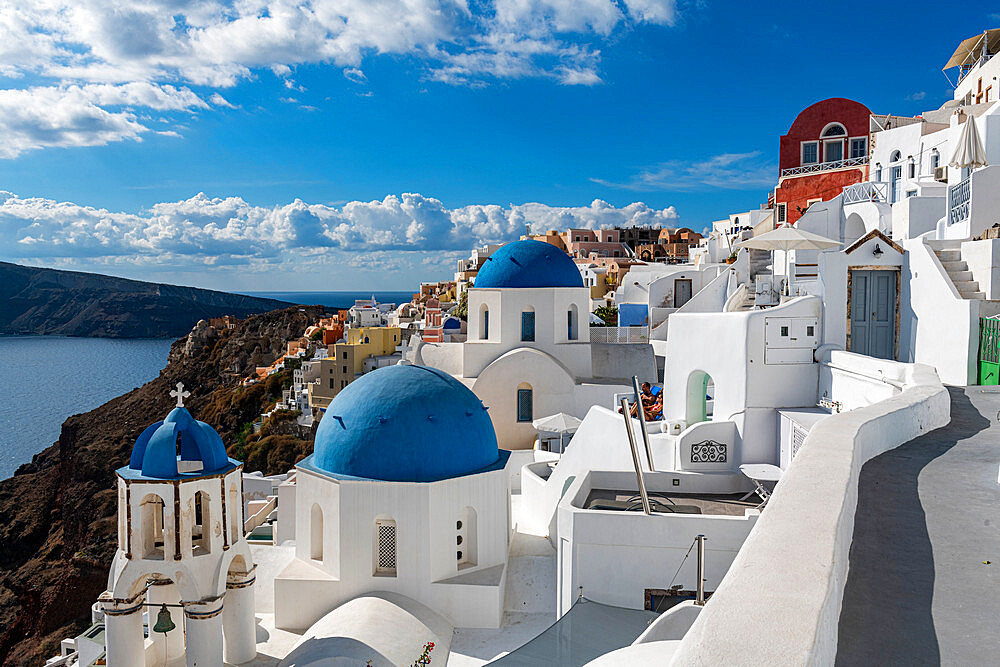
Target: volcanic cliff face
71	303
58	513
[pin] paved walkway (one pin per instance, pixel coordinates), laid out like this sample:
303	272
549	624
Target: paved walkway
918	592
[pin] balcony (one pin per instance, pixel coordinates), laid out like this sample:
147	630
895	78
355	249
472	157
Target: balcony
959	200
869	191
825	166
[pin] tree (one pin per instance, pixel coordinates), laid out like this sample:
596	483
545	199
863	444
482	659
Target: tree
462	309
607	313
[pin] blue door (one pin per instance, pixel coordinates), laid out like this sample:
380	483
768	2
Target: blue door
873	313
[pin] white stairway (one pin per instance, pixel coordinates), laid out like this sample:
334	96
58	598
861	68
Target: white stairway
950	254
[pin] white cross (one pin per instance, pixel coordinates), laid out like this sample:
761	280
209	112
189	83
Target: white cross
180	394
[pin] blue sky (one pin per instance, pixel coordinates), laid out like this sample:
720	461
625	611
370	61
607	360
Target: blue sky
356	145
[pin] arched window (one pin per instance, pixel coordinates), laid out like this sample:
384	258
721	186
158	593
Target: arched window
466	539
151	526
572	330
316	532
700	397
201	532
895	157
385	547
525	403
834	130
528	324
484	322
935	159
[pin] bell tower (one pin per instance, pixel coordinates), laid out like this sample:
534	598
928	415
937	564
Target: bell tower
182	556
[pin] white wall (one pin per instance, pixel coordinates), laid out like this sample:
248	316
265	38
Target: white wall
983	259
784	589
914	216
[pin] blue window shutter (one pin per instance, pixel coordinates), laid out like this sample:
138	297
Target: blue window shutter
525	407
528	326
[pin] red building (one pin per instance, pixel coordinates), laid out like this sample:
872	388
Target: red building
825	150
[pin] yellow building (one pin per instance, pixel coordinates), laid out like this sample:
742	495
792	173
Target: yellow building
347	361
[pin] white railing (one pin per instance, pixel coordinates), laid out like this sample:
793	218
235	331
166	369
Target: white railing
877	191
261	515
619	334
826	166
959	198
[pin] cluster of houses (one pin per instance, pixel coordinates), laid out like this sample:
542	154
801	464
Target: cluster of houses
786	346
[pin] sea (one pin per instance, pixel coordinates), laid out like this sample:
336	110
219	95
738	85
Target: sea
49	378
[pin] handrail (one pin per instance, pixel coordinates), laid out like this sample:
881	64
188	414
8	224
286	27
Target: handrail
826	166
261	516
959	197
868	191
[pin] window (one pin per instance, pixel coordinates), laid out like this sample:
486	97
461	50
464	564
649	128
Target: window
331	382
911	170
834	130
345	370
784	331
528	326
896	156
385	548
935	159
810	330
525	407
201	535
571	328
484	323
911	193
859	147
833	150
781	212
343	355
316	532
810	152
466	540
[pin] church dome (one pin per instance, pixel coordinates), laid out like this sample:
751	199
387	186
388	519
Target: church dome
155	452
405	423
529	263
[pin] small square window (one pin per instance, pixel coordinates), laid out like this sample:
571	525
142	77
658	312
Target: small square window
810	331
784	331
810	152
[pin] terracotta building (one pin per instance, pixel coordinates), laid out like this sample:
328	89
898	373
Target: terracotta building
825	150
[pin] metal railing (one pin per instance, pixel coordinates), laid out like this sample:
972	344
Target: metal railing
826	166
877	191
959	200
619	334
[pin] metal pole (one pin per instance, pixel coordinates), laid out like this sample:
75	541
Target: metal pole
635	457
642	422
700	594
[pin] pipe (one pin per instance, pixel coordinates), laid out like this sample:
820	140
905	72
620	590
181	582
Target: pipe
700	594
642	422
635	457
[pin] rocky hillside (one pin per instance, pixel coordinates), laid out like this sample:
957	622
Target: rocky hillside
71	303
57	513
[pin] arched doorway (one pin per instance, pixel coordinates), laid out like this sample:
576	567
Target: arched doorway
854	228
700	402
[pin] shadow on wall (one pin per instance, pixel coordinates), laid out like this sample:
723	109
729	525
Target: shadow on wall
886	612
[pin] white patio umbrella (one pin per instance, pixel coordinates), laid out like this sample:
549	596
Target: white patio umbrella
557	423
787	238
596	319
969	151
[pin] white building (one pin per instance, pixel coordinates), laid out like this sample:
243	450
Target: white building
405	492
528	352
181	552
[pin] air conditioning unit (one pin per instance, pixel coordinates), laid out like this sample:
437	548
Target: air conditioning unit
941	174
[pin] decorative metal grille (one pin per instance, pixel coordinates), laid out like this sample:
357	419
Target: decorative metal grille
525	407
386	562
709	451
798	439
959	198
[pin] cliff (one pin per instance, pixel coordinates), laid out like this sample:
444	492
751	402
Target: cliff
72	303
58	513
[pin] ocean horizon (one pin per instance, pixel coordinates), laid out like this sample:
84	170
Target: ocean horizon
337	299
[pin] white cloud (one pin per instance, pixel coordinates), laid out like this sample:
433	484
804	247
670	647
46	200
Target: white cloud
916	97
149	53
731	171
229	231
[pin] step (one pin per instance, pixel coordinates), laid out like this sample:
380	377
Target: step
967	287
960	276
973	296
955	266
949	255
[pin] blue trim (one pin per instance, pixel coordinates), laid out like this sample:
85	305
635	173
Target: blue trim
309	464
134	475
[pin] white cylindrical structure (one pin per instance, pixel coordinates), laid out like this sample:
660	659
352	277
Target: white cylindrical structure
170	646
239	625
123	632
204	634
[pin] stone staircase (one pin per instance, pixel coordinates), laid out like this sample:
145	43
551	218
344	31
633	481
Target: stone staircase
760	261
950	255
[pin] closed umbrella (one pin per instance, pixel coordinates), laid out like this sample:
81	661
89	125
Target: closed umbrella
969	151
787	238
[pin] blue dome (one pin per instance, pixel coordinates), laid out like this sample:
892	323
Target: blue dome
529	263
452	323
405	423
155	451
